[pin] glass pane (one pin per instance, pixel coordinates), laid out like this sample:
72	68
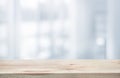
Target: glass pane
3	29
59	29
3	32
3	50
27	29
59	26
27	48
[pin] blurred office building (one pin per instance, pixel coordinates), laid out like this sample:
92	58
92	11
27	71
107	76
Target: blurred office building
59	29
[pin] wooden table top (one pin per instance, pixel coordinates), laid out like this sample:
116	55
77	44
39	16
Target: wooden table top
58	66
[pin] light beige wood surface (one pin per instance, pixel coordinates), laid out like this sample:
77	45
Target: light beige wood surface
59	66
60	69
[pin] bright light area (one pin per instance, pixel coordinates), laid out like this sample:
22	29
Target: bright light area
28	28
3	50
59	42
58	2
100	41
45	42
28	48
58	26
45	27
68	1
44	54
44	1
3	32
31	4
3	2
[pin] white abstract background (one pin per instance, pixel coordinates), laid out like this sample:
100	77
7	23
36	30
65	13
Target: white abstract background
59	29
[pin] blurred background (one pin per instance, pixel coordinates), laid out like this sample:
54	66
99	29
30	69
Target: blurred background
59	29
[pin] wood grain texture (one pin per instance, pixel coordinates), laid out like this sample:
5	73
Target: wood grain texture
63	76
60	68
